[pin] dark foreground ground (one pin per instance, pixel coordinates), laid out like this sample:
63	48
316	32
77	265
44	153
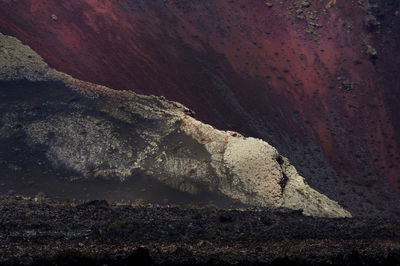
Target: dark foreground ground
41	231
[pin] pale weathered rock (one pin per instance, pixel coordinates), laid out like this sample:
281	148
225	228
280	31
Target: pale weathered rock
95	132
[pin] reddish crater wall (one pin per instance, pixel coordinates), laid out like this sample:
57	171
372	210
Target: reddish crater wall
240	64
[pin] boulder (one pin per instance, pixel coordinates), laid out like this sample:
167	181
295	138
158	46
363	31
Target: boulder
96	132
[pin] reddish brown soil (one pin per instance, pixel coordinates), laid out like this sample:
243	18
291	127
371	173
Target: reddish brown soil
237	62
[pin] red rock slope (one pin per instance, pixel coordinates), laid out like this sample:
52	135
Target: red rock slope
317	79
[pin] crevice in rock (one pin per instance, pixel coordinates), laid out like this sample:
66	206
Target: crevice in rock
283	181
279	159
284	178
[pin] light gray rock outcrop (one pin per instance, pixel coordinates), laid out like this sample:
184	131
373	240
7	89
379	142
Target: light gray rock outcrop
91	131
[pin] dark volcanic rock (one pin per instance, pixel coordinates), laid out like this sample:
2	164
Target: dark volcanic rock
86	233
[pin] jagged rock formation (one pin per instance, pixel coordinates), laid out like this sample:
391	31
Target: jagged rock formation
316	79
90	131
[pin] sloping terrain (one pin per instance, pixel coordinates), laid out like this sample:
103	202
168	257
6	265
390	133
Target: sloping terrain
316	79
53	125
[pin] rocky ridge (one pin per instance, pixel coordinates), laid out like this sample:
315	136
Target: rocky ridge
90	131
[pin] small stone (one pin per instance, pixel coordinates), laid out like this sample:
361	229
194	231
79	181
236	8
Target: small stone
371	52
39	197
140	202
54	17
305	4
33	107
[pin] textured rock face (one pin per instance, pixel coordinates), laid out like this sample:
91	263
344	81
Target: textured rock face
89	131
254	172
316	79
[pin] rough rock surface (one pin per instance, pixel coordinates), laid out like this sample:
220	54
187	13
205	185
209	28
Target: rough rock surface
317	79
90	131
49	232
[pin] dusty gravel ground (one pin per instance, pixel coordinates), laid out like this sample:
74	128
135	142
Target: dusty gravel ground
42	231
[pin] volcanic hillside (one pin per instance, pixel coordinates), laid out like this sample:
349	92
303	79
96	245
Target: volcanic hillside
316	79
